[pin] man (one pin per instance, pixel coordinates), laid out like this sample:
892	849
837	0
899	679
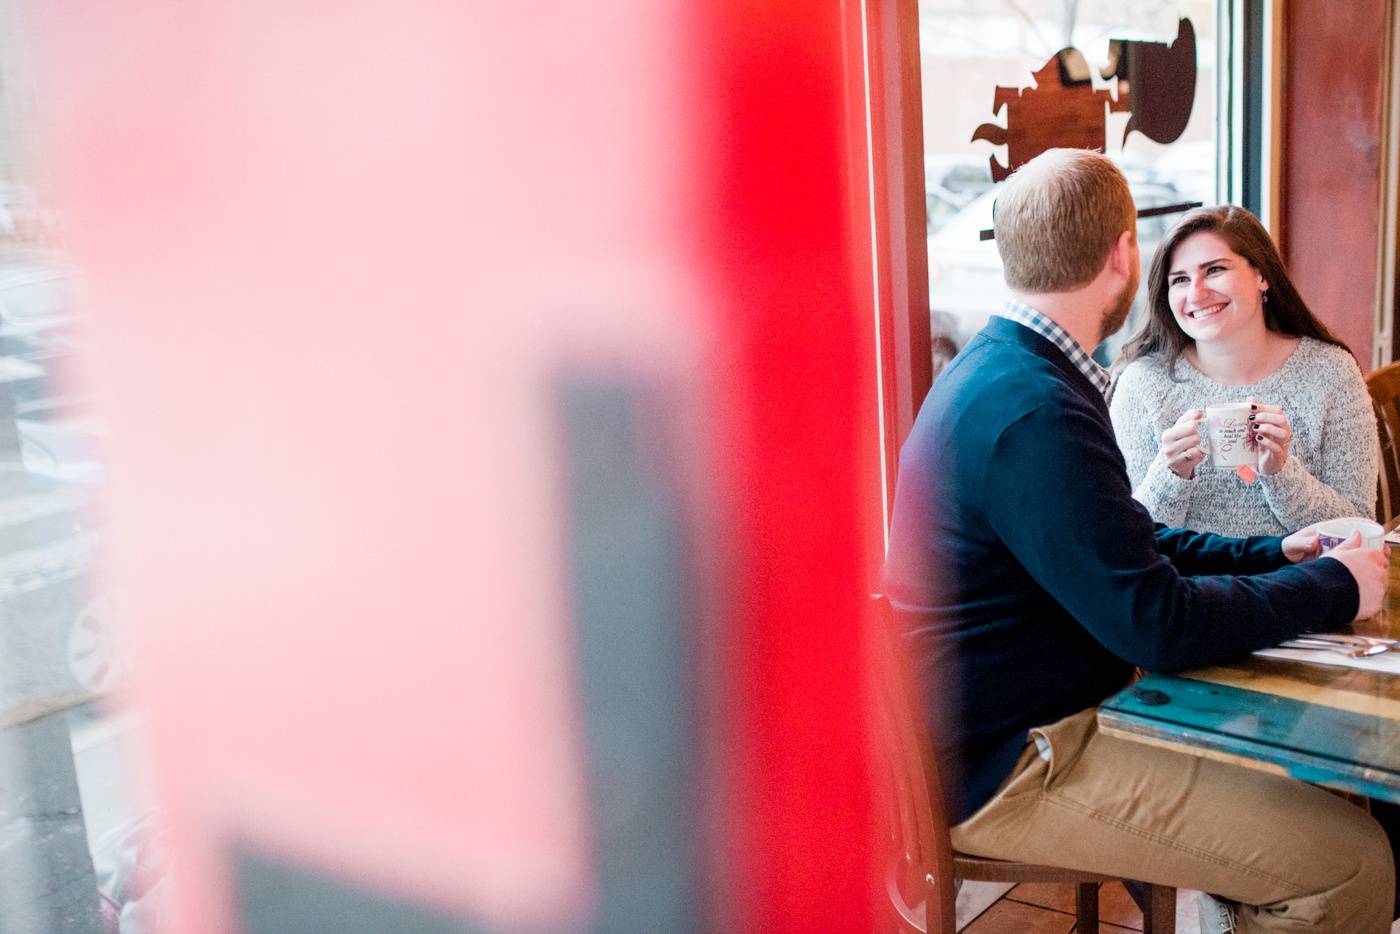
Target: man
1031	584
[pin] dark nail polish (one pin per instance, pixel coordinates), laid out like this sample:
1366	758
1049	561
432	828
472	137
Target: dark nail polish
1253	407
1251	418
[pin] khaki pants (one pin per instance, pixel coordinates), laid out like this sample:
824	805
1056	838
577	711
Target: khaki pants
1295	856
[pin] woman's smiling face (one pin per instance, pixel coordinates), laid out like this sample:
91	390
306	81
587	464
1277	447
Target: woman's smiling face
1214	292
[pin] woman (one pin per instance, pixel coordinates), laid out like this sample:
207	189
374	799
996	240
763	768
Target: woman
1225	324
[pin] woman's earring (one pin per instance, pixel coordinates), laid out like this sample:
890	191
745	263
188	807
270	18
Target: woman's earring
1264	295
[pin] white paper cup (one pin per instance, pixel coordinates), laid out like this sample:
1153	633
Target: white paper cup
1229	432
1333	533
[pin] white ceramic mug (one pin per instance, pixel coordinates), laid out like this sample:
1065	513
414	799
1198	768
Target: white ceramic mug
1230	434
1333	533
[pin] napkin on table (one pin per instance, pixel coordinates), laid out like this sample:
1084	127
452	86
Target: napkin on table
1388	662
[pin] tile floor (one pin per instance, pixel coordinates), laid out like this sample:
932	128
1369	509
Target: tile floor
994	908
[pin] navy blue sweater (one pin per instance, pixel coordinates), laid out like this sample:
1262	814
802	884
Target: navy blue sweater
1030	582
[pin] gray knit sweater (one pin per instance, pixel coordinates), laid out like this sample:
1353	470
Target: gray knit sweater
1332	463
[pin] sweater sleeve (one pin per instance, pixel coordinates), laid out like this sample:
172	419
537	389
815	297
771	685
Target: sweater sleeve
1165	495
1057	498
1345	483
1203	553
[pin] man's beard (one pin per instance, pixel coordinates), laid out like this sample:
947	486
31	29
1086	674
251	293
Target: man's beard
1117	316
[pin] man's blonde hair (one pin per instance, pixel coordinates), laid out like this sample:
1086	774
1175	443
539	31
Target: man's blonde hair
1058	217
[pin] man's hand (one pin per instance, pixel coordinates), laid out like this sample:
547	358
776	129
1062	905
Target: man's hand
1302	545
1369	567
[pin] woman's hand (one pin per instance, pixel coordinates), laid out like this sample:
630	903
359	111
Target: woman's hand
1269	430
1181	444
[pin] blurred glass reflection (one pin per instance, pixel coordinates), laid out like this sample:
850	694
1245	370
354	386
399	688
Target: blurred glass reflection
74	841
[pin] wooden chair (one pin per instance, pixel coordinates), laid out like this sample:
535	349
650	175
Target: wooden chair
1384	386
922	865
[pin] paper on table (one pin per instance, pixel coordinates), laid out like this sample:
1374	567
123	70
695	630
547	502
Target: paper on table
1388	662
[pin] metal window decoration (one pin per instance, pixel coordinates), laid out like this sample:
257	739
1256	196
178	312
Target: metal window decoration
1156	85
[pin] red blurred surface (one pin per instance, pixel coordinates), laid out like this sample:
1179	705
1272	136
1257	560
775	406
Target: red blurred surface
336	254
791	250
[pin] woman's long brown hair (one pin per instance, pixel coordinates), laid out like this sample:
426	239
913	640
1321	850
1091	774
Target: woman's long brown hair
1284	312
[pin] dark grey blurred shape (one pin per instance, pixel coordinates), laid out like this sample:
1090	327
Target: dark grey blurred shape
633	632
276	897
1156	82
47	885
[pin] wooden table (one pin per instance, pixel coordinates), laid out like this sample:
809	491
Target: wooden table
1328	725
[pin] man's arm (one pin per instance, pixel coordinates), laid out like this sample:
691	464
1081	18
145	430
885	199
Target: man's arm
1202	553
1057	496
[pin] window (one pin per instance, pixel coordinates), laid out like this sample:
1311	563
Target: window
1089	95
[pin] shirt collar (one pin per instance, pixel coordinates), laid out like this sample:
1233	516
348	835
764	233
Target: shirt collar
1022	313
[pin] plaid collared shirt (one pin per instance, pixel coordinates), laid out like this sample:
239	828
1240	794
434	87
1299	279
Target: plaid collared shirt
1022	313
